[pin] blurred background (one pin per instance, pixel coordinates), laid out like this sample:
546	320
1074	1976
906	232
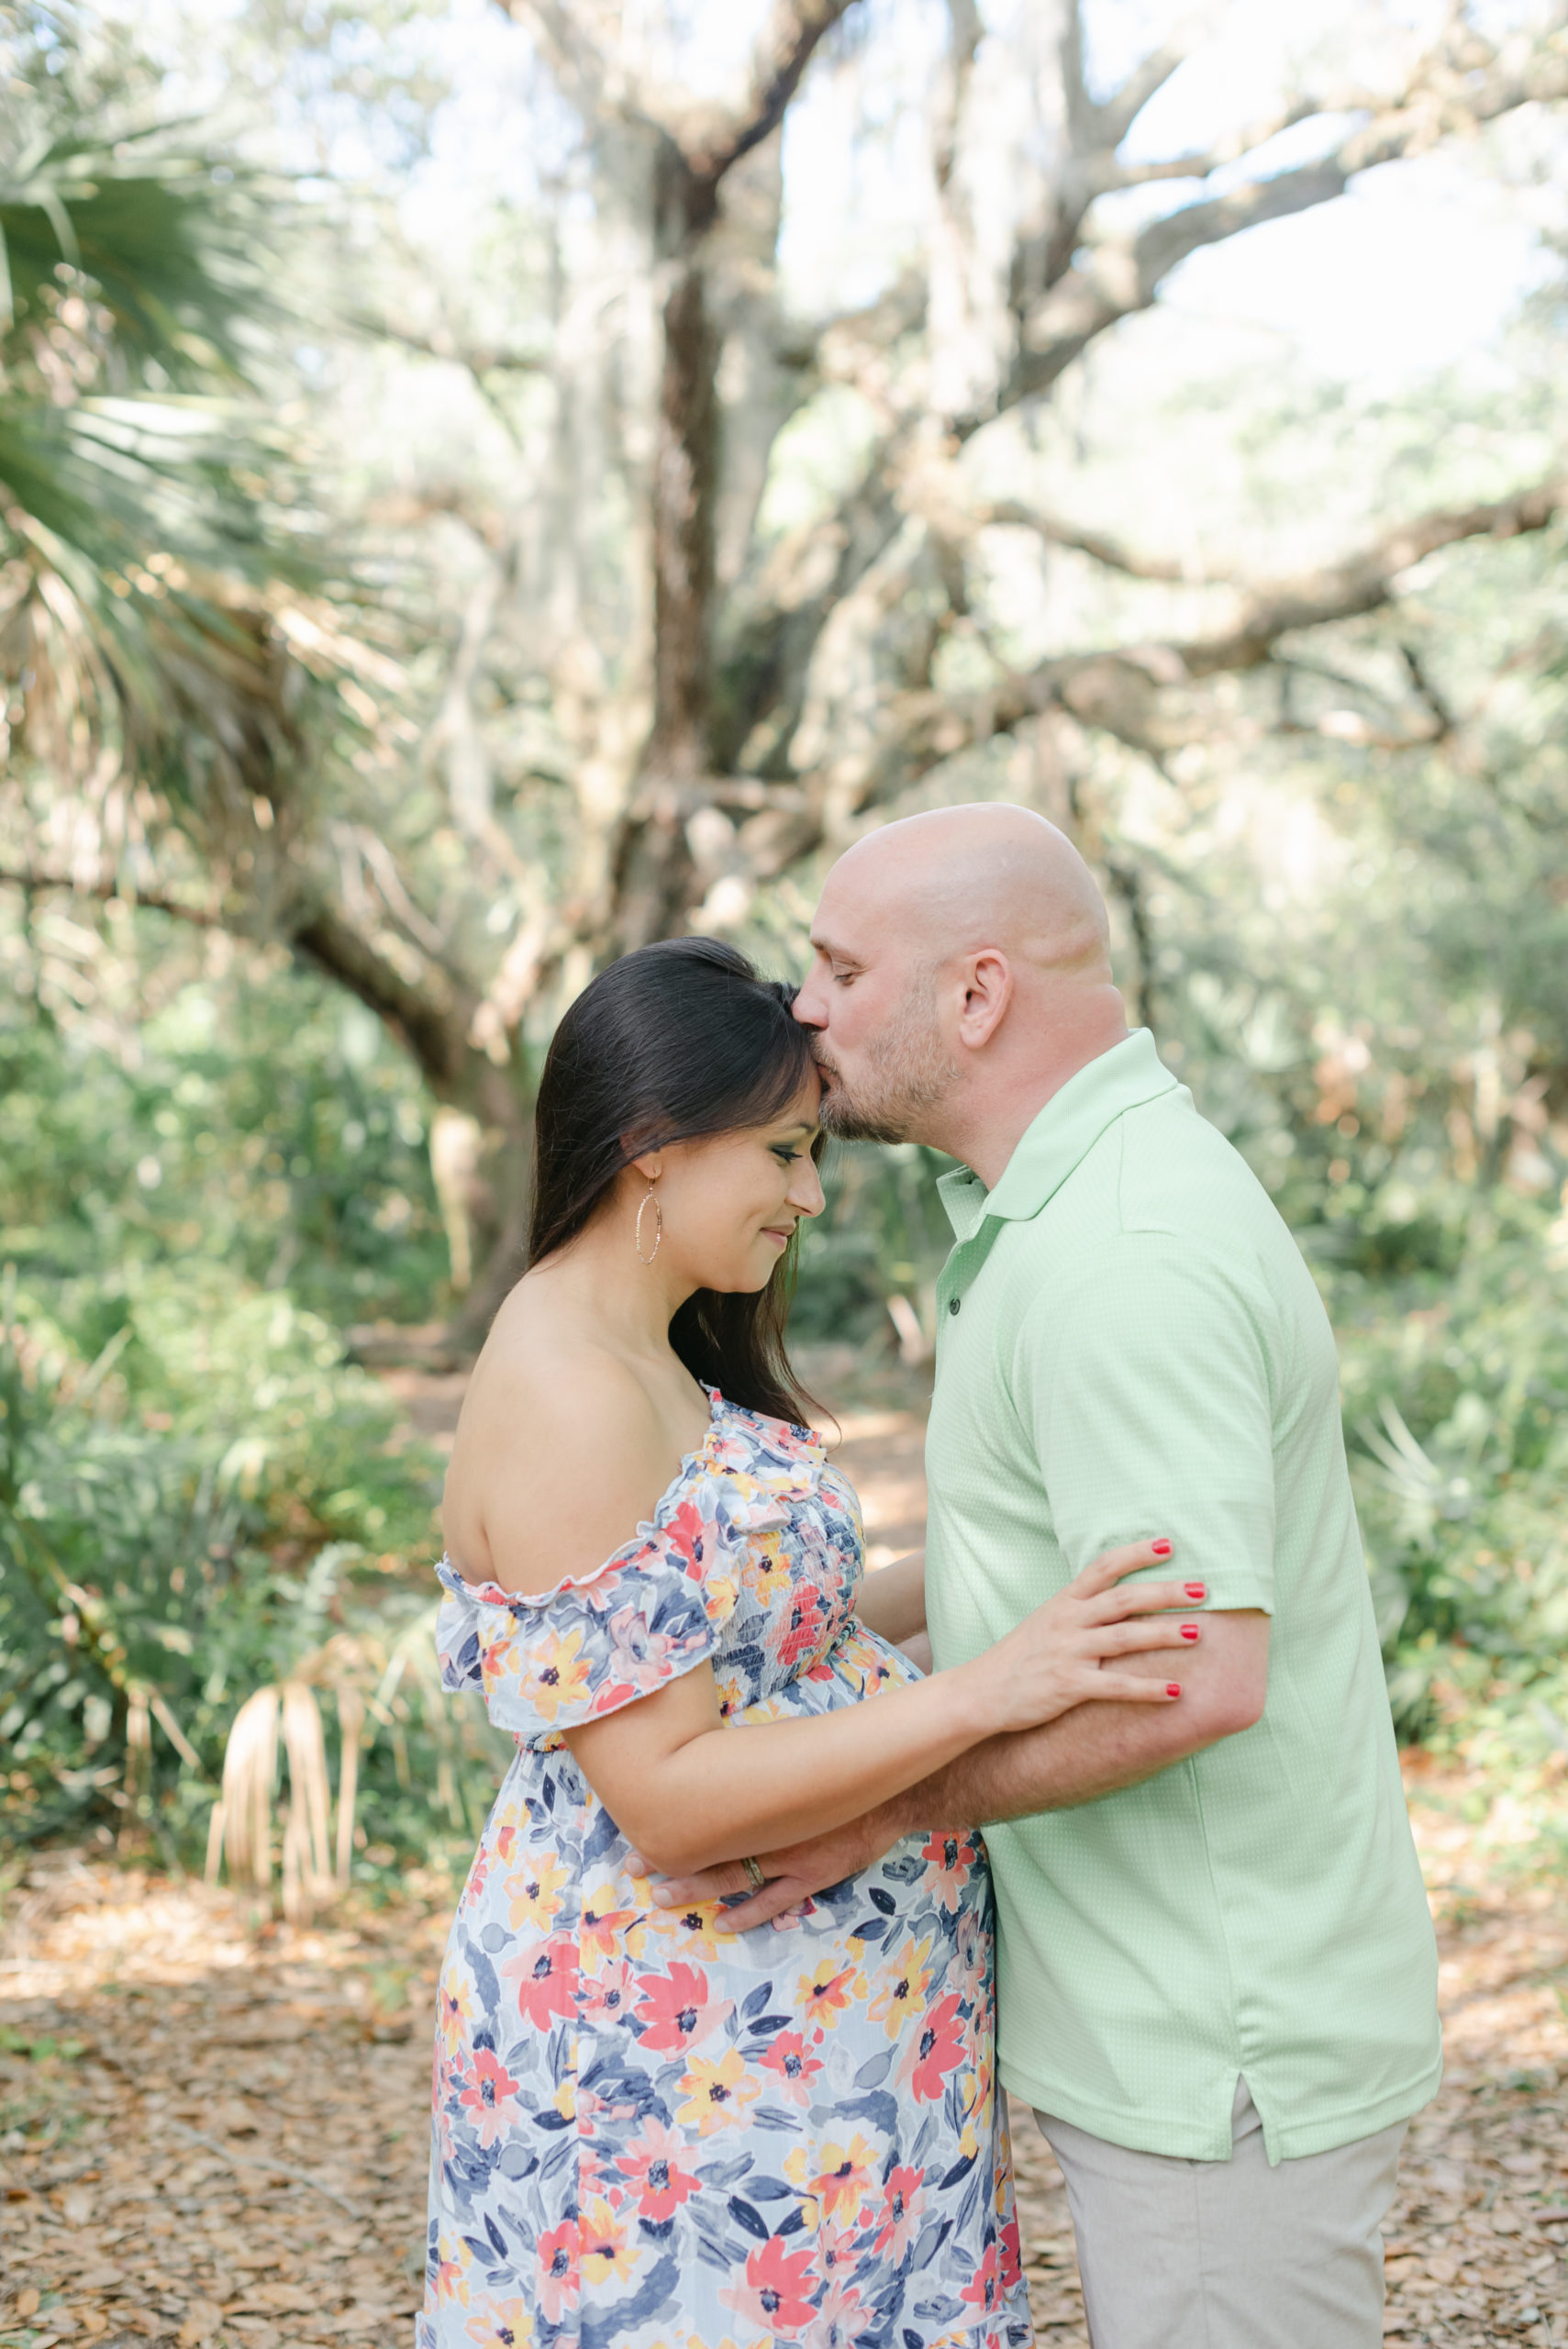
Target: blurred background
483	486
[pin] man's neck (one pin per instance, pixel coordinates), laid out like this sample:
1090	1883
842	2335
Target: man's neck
983	1122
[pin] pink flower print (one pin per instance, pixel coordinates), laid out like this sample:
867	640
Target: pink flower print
609	1994
651	2165
939	2050
489	2096
838	2316
675	2010
984	2286
687	1533
558	2277
795	2066
805	1618
641	1656
949	1860
1012	2252
546	1977
774	2296
902	2205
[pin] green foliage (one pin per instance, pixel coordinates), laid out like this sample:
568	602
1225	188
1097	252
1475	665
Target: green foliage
263	1131
1456	1398
198	1509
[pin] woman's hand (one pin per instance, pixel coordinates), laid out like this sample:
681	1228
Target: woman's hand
1064	1654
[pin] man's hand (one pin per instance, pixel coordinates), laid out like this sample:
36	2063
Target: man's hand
794	1874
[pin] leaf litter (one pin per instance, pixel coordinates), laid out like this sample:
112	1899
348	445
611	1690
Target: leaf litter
214	2127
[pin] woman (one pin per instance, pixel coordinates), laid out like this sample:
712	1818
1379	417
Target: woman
650	2133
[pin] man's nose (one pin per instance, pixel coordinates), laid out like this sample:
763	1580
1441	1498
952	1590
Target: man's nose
810	1005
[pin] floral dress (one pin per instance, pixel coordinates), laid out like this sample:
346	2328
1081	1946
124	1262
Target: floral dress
650	2133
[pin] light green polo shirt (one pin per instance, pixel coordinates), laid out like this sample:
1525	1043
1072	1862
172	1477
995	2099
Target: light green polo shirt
1131	1344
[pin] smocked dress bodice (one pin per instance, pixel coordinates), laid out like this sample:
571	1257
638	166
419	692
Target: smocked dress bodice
651	2132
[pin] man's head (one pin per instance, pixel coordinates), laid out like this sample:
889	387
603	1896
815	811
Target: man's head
962	967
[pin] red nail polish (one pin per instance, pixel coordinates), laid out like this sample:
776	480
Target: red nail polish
1160	1549
1189	1631
1195	1590
1173	1688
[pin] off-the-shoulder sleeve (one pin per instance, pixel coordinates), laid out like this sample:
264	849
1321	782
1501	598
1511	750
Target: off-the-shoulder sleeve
548	1662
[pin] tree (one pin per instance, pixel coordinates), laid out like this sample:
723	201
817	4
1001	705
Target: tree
720	703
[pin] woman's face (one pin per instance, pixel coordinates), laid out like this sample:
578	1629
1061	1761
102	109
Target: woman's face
731	1202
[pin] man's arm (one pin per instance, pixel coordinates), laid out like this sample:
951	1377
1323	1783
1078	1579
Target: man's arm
1095	1750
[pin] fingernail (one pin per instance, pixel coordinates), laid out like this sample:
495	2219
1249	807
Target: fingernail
1160	1549
1173	1688
636	1864
663	1898
1189	1631
1196	1589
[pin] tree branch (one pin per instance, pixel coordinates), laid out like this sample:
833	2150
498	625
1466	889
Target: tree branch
1011	513
110	891
710	139
1118	689
1448	93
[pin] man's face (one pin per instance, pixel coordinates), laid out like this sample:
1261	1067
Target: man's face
870	1003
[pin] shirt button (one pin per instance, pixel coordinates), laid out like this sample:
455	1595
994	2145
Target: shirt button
953	1304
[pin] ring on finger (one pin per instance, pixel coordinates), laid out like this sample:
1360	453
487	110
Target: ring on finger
755	1876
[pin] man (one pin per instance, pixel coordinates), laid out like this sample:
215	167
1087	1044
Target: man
1217	1971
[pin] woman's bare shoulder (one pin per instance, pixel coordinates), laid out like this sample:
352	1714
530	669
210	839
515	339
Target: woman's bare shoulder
560	1456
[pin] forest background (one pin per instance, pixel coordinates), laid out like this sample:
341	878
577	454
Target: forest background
485	486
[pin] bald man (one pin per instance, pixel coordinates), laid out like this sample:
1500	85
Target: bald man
1217	1970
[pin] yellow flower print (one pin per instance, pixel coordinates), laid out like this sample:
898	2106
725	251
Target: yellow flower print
457	2006
901	1989
606	2256
685	1932
766	1571
501	2324
560	1677
719	1594
453	2260
717	2094
533	1893
827	1992
834	2178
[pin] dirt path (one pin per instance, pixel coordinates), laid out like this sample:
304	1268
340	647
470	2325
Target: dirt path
215	2133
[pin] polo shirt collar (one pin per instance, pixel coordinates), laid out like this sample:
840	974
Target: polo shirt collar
1063	1135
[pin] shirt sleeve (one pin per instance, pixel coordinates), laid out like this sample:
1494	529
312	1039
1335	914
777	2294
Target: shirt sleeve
1146	1387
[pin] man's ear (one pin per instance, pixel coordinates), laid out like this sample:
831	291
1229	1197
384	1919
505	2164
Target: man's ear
987	981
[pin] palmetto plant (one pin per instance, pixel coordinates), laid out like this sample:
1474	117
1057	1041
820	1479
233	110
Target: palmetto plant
142	546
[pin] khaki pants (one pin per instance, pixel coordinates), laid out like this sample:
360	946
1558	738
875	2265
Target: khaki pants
1179	2255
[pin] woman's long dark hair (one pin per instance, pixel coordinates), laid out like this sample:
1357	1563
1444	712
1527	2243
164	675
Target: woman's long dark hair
673	1042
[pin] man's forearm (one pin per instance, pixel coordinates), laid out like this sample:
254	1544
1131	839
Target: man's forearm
1097	1748
1093	1751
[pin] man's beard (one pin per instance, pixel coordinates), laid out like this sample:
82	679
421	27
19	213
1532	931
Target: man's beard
913	1073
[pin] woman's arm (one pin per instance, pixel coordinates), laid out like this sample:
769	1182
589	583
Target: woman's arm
893	1600
685	1800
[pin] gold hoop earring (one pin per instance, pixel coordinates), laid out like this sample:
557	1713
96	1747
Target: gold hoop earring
649	1202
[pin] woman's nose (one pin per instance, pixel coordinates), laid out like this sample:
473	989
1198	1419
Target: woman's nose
805	1194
